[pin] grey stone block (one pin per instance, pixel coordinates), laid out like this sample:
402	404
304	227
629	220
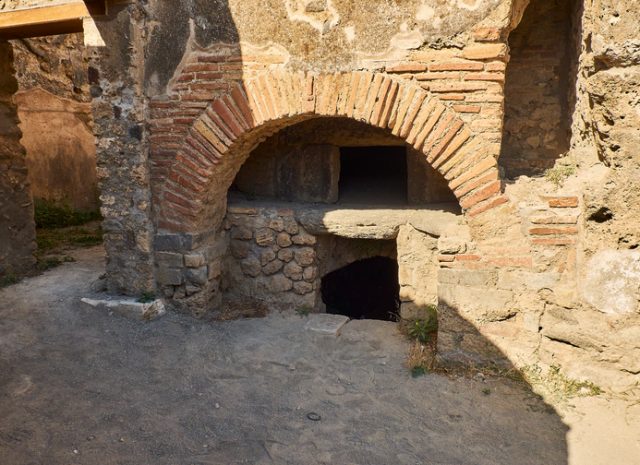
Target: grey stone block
325	323
128	307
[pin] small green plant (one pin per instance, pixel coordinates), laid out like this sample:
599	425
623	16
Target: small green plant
486	391
47	263
559	173
423	333
49	214
303	311
147	297
423	328
558	384
8	279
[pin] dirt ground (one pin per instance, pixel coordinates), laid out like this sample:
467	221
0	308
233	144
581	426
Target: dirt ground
82	387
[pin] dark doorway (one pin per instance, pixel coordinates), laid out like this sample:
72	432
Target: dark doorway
373	175
365	289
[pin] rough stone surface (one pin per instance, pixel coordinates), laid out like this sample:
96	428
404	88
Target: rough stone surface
324	323
17	228
612	282
128	308
260	378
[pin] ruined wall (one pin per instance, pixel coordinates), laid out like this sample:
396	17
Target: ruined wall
537	88
56	121
17	228
433	75
119	105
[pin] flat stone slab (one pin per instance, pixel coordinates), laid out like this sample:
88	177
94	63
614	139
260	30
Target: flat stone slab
128	307
326	323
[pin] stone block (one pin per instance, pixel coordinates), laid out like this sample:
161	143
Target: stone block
303	238
302	287
305	256
265	237
326	324
240	249
197	275
169	276
172	242
611	281
476	277
194	260
280	283
128	307
169	259
310	273
293	271
241	233
283	239
272	267
267	256
251	266
286	255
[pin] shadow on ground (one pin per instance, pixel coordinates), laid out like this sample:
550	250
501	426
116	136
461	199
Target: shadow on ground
82	387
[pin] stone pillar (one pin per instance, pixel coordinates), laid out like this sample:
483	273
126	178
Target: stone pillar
17	227
116	75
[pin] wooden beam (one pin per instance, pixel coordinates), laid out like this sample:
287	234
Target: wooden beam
47	20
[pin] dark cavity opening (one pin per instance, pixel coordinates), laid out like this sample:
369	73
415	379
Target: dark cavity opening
373	175
365	289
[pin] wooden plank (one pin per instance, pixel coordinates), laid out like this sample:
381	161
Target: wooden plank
47	20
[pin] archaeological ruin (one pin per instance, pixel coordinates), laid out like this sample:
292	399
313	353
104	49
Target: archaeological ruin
365	158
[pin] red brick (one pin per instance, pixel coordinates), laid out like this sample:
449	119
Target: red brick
467	108
467	258
431	76
446	258
457	66
406	68
553	241
457	86
474	183
479	195
450	134
481	208
553	231
497	77
562	202
452	97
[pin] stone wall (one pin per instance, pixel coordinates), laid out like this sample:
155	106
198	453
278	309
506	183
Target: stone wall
56	120
538	87
17	228
184	92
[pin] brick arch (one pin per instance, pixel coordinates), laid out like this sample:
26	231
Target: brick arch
193	195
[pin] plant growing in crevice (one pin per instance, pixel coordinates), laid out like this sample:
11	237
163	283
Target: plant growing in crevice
146	297
558	385
422	331
303	311
559	173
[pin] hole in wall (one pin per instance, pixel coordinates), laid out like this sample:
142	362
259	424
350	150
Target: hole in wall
373	175
601	215
364	289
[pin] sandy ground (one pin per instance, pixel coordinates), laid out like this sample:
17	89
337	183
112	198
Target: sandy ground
85	387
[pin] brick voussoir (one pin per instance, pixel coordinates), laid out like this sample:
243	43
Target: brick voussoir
487	205
480	194
452	149
445	140
412	113
426	109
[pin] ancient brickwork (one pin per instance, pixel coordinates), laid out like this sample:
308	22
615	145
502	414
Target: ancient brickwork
538	89
17	228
